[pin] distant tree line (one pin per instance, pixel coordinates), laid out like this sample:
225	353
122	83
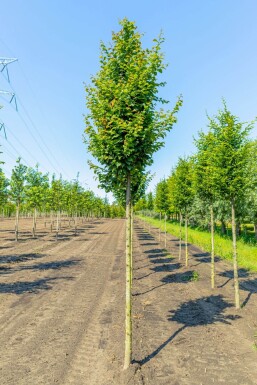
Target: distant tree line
29	192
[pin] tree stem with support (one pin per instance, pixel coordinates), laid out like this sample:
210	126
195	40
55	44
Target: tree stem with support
236	283
128	320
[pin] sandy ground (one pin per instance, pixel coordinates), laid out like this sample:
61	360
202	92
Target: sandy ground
62	311
191	334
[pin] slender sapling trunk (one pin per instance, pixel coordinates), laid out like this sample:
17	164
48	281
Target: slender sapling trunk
212	249
128	320
165	231
236	283
17	222
34	223
186	239
160	227
180	235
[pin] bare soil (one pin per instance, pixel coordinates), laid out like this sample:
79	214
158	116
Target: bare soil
62	310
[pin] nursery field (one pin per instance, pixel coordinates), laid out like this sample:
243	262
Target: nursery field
247	253
62	305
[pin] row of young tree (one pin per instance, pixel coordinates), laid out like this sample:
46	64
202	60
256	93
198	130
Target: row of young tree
216	185
30	192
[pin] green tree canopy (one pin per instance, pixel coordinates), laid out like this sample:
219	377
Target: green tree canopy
123	127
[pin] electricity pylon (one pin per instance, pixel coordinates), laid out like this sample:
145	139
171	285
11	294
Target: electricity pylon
4	62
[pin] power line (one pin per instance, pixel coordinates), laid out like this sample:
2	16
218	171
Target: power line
20	143
4	62
38	133
38	106
40	137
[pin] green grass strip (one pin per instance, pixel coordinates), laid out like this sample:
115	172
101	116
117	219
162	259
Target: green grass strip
247	254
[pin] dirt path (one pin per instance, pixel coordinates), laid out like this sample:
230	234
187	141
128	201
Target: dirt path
62	312
62	308
185	333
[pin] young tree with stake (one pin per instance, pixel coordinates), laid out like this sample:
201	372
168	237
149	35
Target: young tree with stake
123	128
182	193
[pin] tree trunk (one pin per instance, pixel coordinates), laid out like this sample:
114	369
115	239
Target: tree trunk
180	235
165	231
186	239
75	223
34	223
223	227
57	225
160	227
212	250
238	229
236	284
131	243
255	229
51	221
128	320
17	222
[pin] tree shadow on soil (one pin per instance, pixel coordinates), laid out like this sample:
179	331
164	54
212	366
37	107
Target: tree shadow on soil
161	269
34	287
11	259
149	244
159	260
166	267
249	285
229	274
155	256
145	237
203	311
184	277
12	263
61	237
95	233
156	251
55	265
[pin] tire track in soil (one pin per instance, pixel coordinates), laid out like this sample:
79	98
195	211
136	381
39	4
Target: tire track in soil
38	243
199	349
56	333
96	355
49	252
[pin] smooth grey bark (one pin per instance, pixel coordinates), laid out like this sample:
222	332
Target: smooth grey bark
17	222
212	250
34	223
57	225
180	236
160	227
255	229
186	239
165	230
235	264
128	320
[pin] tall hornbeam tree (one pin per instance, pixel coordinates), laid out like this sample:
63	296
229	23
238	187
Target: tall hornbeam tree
231	168
162	197
123	127
182	194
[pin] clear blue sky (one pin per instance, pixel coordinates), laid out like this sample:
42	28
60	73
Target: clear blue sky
211	48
